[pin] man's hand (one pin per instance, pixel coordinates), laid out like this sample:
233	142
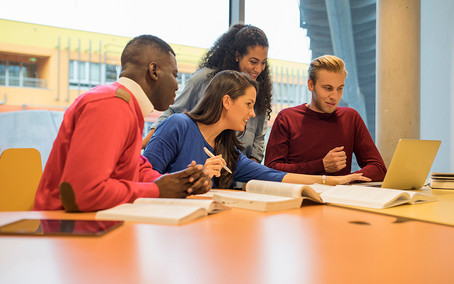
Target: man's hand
335	160
192	180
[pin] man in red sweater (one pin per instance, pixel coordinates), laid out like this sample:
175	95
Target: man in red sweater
95	162
320	137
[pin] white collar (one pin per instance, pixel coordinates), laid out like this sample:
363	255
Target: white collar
144	102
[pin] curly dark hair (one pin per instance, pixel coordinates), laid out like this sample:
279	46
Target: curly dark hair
222	56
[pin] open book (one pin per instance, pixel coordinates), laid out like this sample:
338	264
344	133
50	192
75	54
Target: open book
271	196
172	211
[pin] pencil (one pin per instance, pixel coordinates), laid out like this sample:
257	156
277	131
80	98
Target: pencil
211	155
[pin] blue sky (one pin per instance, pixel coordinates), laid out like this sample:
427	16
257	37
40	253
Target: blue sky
187	22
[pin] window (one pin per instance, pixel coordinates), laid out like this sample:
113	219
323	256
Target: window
112	73
13	71
2	73
29	75
89	74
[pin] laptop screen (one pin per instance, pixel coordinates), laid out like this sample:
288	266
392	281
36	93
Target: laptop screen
411	163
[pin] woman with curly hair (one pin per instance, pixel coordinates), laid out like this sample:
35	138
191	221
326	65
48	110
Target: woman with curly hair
242	48
226	107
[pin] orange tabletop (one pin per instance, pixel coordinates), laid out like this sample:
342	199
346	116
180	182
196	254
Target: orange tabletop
313	244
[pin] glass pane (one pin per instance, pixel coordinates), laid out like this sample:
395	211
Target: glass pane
95	73
30	75
111	73
2	72
14	74
82	73
72	72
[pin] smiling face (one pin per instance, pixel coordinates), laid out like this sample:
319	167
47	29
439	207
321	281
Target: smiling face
326	91
238	112
254	61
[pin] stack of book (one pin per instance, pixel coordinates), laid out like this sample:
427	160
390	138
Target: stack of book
442	180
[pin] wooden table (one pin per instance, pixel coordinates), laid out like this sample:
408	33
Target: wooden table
313	244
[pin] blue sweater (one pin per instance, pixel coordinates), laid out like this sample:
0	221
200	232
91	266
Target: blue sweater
178	141
253	138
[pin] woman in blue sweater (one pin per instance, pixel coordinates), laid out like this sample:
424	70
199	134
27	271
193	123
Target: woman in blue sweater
226	107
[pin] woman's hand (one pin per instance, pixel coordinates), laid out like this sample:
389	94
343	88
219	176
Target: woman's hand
334	180
214	165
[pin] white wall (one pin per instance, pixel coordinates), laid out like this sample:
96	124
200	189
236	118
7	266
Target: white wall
437	79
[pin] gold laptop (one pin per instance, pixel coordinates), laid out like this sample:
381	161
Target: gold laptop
411	164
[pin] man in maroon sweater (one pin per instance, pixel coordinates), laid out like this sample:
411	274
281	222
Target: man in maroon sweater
320	137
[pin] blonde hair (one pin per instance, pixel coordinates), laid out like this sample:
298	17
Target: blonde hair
326	62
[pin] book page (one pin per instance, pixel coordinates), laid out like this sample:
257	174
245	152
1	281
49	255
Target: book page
210	205
257	201
154	213
210	193
420	197
319	188
251	196
274	188
365	196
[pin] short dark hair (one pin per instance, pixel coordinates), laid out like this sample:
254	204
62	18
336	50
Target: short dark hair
133	52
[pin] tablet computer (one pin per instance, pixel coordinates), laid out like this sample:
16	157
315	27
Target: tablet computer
43	227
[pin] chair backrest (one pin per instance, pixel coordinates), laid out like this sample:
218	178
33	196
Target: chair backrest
20	172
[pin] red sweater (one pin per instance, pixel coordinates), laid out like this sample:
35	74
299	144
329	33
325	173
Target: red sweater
301	138
96	154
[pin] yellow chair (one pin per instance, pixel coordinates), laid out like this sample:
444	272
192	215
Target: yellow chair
20	172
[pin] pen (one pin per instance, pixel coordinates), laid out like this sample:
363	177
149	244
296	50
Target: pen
211	156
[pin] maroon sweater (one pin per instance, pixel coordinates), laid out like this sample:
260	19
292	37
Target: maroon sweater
301	138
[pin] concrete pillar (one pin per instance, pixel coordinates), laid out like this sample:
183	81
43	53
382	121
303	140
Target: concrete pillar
398	73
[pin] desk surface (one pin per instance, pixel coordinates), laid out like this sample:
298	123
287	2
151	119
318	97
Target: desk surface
313	244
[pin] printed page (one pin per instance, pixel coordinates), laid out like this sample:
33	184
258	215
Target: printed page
274	188
251	196
364	196
204	203
210	205
420	197
210	193
154	213
319	188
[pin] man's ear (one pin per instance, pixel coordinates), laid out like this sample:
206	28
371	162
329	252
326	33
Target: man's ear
226	101
310	85
153	70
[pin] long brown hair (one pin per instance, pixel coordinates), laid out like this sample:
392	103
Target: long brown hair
209	109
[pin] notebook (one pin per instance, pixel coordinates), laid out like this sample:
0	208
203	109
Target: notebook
410	164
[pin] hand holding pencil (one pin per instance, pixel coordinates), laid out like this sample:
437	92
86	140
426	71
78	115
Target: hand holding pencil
215	163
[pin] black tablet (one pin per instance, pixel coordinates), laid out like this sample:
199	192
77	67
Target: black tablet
59	227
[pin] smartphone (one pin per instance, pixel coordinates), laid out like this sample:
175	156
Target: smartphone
45	227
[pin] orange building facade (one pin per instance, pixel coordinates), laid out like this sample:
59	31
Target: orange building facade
44	67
